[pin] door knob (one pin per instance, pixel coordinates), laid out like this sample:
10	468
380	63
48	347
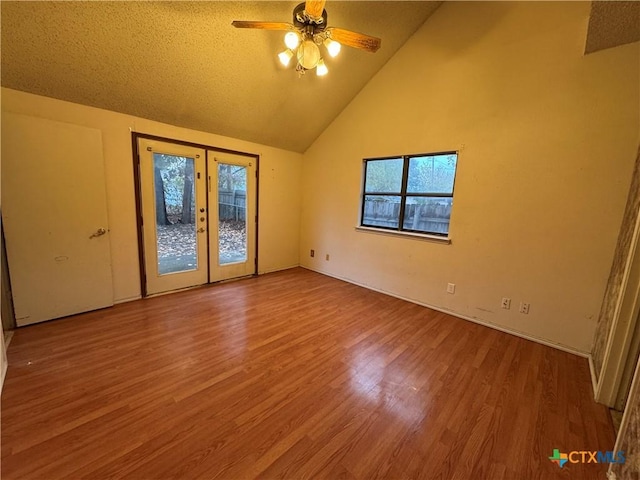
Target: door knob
98	233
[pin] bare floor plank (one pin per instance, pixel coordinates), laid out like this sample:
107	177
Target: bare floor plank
291	375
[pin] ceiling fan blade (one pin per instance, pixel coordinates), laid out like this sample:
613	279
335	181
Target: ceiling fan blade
355	40
263	25
314	7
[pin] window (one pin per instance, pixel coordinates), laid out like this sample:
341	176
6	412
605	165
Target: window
410	193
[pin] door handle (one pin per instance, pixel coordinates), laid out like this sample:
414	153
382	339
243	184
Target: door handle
98	233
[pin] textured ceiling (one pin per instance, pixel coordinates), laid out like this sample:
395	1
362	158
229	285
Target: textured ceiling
612	24
183	63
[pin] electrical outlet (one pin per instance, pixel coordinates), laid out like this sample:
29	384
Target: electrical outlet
451	288
506	303
524	308
312	253
327	257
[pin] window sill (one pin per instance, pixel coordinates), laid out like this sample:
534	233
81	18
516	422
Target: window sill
417	236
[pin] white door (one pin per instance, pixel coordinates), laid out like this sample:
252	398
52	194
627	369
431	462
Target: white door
174	216
232	210
55	218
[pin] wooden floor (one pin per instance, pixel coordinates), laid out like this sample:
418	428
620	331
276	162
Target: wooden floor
291	375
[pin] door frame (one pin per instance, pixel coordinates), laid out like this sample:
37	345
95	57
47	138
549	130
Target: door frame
138	193
621	335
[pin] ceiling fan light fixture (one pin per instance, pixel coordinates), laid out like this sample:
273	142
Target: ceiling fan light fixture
333	47
285	57
307	32
321	69
308	54
291	40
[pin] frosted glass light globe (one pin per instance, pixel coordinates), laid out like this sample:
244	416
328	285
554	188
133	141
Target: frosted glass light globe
285	57
291	40
321	69
333	47
308	54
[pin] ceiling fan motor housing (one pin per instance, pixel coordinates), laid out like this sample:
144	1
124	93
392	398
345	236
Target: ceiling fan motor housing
302	20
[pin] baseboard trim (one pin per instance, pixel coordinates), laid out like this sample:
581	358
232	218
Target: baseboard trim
5	367
138	297
128	299
5	360
526	336
8	336
594	378
278	269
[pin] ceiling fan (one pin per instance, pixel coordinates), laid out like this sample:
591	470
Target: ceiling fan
308	31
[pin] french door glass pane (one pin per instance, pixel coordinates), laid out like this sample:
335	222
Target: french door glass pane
232	213
175	213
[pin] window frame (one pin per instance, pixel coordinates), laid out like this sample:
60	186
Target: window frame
404	195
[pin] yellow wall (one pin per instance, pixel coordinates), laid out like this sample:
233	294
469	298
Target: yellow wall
547	138
279	195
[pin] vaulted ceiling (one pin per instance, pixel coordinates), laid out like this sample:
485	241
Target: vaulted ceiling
612	23
183	63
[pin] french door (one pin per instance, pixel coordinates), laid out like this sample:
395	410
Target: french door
232	206
198	215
